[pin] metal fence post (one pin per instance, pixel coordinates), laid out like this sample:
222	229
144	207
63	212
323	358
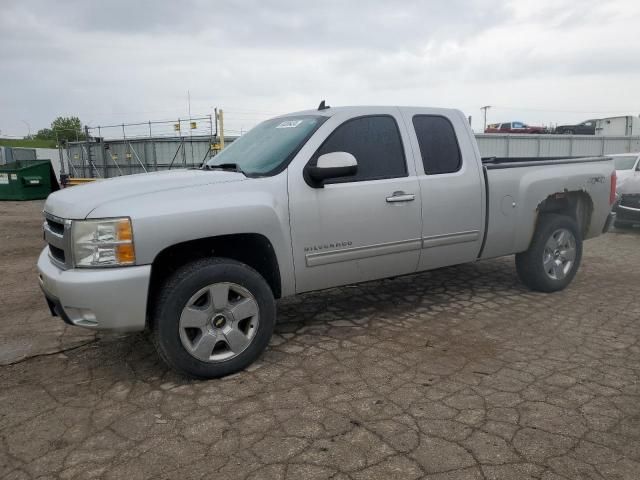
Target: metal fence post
61	157
571	145
103	158
88	148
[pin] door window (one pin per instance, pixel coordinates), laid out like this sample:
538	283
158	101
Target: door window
438	144
375	143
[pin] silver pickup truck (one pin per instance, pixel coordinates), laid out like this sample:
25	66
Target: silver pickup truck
304	202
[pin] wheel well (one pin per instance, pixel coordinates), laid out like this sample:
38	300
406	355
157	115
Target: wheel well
577	205
251	249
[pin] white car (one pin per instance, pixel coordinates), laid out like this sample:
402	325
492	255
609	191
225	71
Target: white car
627	166
627	208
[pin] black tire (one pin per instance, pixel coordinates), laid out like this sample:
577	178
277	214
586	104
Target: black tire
176	292
530	264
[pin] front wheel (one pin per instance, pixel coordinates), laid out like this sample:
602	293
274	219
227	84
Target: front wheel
554	255
213	317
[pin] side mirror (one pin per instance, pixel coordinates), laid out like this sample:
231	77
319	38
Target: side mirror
331	165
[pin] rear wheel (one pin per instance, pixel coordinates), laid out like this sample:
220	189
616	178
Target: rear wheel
554	255
213	317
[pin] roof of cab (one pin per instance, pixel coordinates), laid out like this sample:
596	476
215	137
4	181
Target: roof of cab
330	111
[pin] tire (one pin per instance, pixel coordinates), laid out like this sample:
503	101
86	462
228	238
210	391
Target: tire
194	325
543	266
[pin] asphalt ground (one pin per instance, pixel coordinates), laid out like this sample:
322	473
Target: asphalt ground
460	373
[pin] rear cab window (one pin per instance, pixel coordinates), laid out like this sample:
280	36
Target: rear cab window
438	144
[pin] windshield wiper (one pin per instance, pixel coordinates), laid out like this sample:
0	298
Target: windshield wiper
224	166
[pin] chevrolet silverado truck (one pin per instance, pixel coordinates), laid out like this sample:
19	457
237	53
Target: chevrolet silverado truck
304	202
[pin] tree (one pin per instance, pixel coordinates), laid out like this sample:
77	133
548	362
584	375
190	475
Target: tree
67	128
46	134
63	129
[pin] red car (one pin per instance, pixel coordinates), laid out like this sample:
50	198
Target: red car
513	127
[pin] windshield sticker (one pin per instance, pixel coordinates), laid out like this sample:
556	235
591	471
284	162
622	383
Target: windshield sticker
290	124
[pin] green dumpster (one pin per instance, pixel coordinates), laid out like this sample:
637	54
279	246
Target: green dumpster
27	180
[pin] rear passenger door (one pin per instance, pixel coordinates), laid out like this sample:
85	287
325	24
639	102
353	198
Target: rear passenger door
360	227
451	187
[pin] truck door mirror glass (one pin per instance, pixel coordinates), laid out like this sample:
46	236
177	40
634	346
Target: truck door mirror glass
331	165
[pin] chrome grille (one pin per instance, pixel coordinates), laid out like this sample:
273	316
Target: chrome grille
57	234
632	201
56	226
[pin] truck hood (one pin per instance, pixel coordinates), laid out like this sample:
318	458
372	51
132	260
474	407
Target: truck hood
628	184
78	202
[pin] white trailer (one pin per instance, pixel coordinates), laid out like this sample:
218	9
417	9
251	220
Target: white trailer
618	126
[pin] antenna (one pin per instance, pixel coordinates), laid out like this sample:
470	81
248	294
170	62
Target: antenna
323	106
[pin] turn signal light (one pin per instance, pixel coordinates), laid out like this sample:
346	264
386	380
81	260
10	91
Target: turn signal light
612	192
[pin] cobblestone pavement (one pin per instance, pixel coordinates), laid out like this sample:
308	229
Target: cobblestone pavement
459	373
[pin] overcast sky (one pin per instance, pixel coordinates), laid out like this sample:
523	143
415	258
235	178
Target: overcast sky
124	61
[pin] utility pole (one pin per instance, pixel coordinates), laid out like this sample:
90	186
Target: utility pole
484	109
220	118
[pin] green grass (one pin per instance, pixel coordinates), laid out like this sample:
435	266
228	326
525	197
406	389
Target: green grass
24	143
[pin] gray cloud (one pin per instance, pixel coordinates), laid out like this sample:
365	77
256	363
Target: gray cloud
125	61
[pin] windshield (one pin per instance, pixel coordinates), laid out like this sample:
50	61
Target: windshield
624	163
269	145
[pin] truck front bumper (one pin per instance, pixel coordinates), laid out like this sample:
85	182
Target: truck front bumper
627	215
101	299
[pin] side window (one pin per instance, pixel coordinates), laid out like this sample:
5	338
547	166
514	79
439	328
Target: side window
438	144
505	126
376	144
518	125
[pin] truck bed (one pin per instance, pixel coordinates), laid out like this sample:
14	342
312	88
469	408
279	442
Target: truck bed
517	187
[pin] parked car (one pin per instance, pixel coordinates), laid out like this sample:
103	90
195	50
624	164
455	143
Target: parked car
514	127
627	208
304	202
588	127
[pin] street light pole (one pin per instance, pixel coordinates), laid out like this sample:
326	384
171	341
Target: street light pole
484	111
28	127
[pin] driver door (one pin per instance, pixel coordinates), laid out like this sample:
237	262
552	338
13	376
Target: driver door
360	227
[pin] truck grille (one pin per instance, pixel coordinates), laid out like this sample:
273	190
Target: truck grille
56	226
57	234
632	201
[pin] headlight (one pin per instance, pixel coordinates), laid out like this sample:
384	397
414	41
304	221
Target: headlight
102	243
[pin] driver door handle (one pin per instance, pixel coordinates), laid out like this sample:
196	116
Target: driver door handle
401	196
